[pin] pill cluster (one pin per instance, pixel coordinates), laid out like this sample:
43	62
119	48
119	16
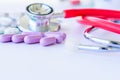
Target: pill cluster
8	23
9	30
45	39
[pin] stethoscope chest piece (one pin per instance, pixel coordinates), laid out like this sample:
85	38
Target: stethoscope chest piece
38	19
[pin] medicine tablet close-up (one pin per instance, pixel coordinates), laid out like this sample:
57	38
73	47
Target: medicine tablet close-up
6	38
46	41
32	39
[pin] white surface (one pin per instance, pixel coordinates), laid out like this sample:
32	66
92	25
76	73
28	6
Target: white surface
57	62
108	4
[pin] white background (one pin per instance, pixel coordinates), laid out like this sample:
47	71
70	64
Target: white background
58	62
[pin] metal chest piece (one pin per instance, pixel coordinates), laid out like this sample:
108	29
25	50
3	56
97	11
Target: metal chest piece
38	19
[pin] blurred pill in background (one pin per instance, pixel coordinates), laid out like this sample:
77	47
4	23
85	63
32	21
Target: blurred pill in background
11	30
81	3
75	2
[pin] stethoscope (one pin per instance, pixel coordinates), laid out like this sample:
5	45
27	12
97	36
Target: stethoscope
103	24
39	18
107	45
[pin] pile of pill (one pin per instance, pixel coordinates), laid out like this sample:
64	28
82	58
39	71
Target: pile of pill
8	24
9	30
45	39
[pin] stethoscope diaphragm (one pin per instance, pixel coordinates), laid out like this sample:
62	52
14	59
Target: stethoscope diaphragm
25	25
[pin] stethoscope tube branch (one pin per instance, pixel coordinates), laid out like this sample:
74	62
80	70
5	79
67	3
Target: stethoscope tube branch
109	43
105	45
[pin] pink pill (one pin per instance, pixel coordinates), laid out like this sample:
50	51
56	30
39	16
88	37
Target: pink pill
32	39
6	38
18	38
46	41
75	2
60	36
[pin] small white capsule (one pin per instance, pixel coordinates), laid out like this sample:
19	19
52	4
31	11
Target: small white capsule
11	30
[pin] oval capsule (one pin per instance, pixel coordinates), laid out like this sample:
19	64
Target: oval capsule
46	41
32	39
6	38
60	36
18	38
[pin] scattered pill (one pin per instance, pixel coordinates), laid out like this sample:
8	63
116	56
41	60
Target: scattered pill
32	39
75	2
60	36
5	20
18	38
6	38
11	30
46	41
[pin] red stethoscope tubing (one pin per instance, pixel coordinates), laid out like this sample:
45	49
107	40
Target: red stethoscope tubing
94	17
92	12
101	23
